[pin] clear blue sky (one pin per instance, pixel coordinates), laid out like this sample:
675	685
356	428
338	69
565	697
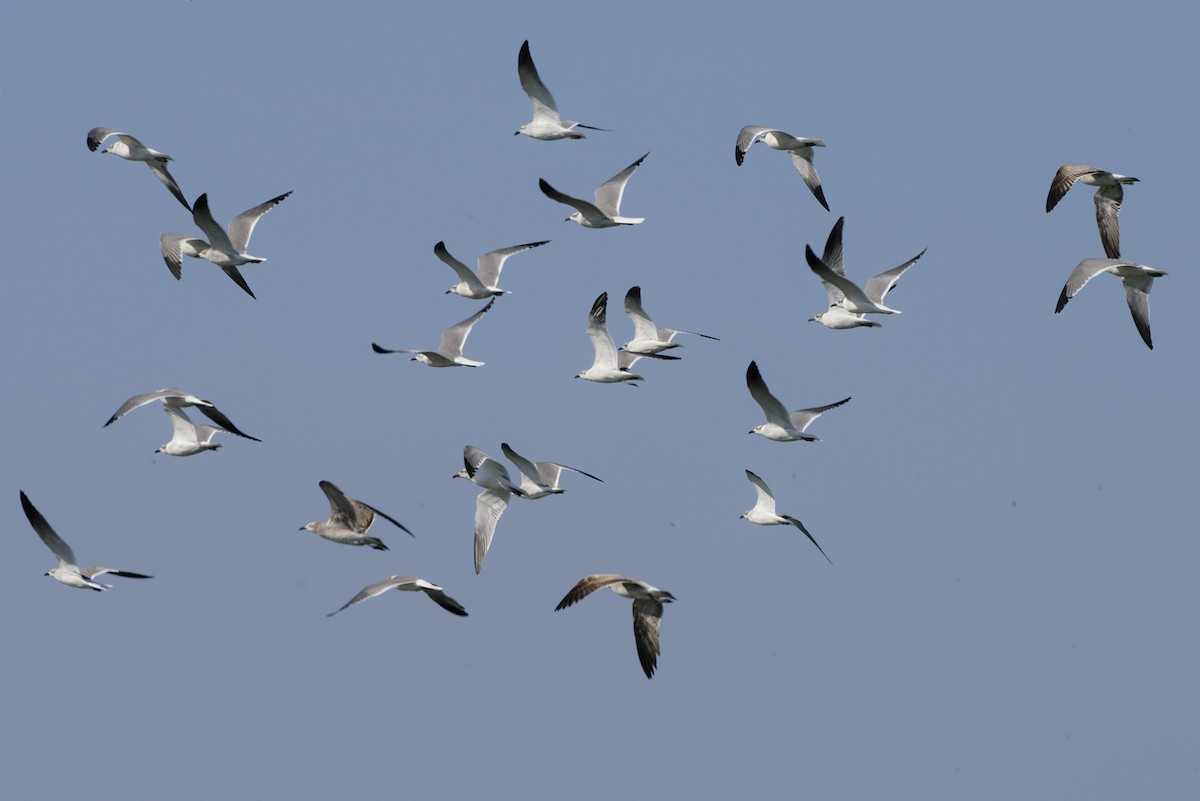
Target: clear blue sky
1007	500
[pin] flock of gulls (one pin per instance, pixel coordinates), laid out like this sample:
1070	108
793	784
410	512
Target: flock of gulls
849	305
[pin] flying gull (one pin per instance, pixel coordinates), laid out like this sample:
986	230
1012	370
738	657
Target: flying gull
546	124
449	352
608	366
799	148
847	305
539	479
130	148
606	212
349	520
486	472
647	610
68	572
179	399
648	338
478	286
1108	199
763	513
1136	278
408	584
188	439
781	425
225	249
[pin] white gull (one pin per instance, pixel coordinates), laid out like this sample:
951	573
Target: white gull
546	124
478	286
800	148
449	351
763	512
606	211
130	148
226	249
68	571
781	425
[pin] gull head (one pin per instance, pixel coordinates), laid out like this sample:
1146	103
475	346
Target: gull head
461	474
308	527
577	217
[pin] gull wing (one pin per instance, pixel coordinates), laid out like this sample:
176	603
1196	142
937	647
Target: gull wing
175	246
96	137
643	326
539	96
182	426
1085	271
214	414
582	206
551	471
1137	295
847	287
803	418
137	401
442	599
454	337
647	615
586	586
833	257
371	590
878	286
597	331
528	469
608	195
489	506
1064	179
365	514
54	542
242	226
465	274
775	411
92	572
802	161
491	263
746	138
341	510
764	500
202	216
1108	207
158	166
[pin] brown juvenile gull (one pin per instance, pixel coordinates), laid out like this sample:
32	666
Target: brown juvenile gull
647	610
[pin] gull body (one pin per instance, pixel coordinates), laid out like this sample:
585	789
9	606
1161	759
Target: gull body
782	425
449	351
224	248
606	211
407	584
647	610
606	368
539	479
546	123
1136	278
179	399
486	472
68	571
188	439
847	304
478	286
763	512
800	148
349	520
131	148
1108	197
648	338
